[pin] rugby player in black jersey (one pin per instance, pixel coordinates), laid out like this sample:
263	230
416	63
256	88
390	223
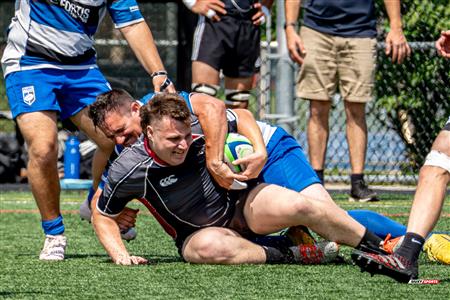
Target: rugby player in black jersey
210	224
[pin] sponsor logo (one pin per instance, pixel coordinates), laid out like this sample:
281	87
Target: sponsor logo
416	241
424	281
28	95
134	8
168	181
76	10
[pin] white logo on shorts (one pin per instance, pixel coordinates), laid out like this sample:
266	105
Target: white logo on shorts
168	181
28	94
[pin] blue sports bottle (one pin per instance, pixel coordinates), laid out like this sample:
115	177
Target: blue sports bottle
72	158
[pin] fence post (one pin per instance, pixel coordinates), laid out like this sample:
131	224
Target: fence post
285	75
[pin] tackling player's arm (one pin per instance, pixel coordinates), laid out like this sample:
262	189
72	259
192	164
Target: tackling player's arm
248	127
108	233
211	114
140	39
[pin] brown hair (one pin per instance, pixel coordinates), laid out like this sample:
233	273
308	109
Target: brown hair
165	104
113	100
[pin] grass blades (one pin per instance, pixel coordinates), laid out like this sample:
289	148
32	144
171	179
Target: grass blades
87	273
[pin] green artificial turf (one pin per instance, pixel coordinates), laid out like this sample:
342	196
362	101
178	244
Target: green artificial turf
88	273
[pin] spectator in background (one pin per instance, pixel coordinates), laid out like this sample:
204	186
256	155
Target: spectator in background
227	39
336	47
49	65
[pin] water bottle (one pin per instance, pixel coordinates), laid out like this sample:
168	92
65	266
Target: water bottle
72	158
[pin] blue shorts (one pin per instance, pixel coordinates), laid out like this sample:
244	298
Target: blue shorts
65	91
286	165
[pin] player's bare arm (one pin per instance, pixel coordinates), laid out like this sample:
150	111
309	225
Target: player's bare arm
212	116
141	41
108	233
248	127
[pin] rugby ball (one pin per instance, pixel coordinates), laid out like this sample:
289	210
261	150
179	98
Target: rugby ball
236	146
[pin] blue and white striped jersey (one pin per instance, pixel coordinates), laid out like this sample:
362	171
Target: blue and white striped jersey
59	33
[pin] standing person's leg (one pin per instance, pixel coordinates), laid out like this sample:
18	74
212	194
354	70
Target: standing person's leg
202	73
317	82
356	68
32	99
40	133
357	145
426	208
207	51
241	61
237	91
318	132
356	130
429	197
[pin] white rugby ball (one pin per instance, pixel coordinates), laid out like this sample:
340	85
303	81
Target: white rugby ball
236	146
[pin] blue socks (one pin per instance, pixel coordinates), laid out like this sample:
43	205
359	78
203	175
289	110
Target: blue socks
377	223
54	226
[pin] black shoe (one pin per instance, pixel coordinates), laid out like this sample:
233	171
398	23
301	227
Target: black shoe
392	265
360	192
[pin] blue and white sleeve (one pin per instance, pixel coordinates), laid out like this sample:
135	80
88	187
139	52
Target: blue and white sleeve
124	13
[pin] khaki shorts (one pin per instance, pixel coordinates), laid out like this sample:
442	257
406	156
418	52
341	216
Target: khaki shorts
331	61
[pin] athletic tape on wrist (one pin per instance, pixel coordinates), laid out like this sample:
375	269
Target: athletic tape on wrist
189	3
158	73
165	84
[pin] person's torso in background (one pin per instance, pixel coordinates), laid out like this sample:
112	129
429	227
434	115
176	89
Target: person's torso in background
59	34
347	18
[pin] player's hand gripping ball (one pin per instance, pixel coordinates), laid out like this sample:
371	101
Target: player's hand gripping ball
236	146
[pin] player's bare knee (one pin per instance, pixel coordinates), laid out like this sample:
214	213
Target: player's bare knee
210	248
45	154
307	209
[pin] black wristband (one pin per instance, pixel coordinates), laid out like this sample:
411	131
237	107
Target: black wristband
158	73
165	84
286	25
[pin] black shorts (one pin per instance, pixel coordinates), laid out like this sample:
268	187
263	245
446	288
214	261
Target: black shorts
230	45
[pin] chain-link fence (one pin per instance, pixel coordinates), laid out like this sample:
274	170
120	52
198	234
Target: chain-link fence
411	103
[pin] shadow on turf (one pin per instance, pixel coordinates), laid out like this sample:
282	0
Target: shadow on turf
153	259
18	294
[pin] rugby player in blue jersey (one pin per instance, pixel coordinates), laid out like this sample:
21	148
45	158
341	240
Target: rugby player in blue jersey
49	65
166	169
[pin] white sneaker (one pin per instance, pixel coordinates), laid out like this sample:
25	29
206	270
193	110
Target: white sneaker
54	247
85	214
